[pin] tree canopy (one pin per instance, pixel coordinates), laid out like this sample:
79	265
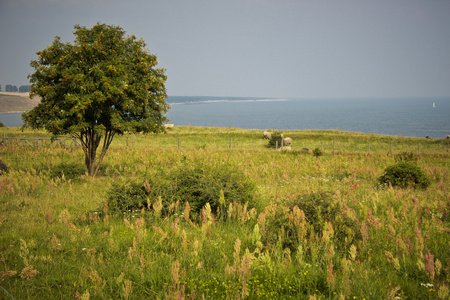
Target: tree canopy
103	84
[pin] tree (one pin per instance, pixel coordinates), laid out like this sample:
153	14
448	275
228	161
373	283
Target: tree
24	89
103	84
10	88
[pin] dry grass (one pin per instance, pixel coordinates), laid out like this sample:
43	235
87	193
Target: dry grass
17	102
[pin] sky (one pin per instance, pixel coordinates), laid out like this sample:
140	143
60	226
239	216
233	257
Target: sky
256	48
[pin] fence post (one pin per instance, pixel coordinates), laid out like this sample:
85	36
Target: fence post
276	144
230	145
132	141
127	141
281	144
179	144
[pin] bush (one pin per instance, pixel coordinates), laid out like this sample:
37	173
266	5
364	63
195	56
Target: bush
126	196
317	152
70	170
2	125
319	208
404	174
275	138
196	185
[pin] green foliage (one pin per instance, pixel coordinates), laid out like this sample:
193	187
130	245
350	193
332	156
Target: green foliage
319	209
275	139
128	195
2	125
197	185
317	152
404	174
103	84
68	170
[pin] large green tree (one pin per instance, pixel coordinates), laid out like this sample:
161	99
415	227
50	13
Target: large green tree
105	83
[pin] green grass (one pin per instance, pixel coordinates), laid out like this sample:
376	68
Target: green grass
58	240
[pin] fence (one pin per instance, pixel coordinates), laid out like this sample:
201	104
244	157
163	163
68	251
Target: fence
40	142
331	146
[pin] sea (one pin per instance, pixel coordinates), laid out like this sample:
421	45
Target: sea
409	117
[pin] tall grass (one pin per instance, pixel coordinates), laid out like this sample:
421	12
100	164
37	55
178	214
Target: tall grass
60	240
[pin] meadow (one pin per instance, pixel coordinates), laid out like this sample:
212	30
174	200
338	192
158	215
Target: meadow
315	227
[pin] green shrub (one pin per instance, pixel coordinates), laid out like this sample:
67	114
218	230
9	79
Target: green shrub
129	195
404	174
275	139
70	170
319	208
196	185
317	152
2	125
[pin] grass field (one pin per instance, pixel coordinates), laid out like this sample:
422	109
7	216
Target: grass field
315	227
16	102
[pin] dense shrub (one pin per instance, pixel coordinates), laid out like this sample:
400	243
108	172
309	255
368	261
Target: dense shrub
197	185
319	208
275	139
404	174
128	195
317	152
69	170
2	125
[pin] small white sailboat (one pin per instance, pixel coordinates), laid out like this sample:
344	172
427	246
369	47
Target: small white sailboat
434	104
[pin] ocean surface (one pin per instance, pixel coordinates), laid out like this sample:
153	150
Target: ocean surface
414	117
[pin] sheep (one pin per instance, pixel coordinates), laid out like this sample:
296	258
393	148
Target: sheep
285	149
267	135
447	137
169	126
287	141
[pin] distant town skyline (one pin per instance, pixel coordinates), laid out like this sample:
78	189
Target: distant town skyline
256	48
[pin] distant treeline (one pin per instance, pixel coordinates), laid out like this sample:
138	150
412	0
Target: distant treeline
14	89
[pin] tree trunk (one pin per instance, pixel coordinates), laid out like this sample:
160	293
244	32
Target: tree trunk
90	140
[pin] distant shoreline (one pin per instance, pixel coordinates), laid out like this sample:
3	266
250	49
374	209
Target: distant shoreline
226	101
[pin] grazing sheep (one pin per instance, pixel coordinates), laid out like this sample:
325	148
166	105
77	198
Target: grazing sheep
267	135
287	141
169	126
285	149
447	137
427	137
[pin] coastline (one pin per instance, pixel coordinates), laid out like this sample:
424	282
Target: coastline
227	101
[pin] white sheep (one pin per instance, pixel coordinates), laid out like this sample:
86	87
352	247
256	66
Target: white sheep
287	141
169	126
267	135
285	149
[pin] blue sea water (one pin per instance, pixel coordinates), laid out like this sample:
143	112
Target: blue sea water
414	117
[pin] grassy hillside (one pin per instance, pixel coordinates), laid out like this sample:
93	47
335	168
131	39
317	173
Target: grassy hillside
16	102
278	225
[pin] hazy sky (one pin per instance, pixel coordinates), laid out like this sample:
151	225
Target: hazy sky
261	48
